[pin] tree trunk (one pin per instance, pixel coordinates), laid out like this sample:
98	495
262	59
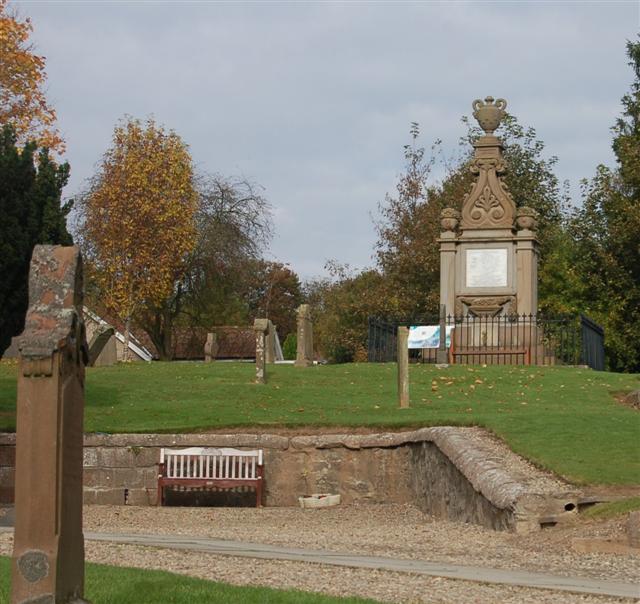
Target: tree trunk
127	332
159	331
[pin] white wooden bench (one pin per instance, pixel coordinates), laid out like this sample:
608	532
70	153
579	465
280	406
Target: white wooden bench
201	467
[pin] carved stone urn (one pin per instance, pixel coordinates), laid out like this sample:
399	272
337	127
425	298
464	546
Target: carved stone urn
526	218
449	219
489	113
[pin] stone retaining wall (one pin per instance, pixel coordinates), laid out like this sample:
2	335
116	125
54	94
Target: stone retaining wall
448	472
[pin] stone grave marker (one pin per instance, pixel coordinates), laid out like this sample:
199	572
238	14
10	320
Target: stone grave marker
304	351
261	327
211	347
271	344
48	554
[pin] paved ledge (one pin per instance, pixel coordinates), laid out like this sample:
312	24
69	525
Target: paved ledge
451	571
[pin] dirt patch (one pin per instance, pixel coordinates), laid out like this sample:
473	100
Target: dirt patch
629	399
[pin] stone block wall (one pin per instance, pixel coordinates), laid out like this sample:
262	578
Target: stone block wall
448	472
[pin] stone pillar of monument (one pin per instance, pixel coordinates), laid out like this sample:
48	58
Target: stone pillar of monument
261	327
48	553
526	262
304	351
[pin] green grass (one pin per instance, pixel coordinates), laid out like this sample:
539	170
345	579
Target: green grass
564	419
612	509
113	585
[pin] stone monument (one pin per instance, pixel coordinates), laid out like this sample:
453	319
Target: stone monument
489	251
48	554
261	327
211	347
271	344
304	351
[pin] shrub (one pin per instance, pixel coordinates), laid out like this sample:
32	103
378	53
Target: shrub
289	347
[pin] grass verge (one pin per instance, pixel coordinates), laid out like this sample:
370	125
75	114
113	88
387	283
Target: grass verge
563	419
115	585
611	509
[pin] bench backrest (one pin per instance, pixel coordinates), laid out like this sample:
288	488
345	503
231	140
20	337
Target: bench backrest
203	462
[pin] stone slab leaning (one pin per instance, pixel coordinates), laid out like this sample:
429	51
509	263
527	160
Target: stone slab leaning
48	556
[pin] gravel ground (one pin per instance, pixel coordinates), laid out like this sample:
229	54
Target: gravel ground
386	530
399	531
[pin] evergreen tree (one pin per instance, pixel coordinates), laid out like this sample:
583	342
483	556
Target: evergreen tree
30	213
607	231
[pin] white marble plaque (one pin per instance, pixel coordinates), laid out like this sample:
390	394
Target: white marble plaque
487	268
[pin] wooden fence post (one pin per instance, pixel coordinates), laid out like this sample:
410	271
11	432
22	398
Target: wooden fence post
403	367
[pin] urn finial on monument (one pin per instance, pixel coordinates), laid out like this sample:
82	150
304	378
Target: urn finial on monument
489	113
489	204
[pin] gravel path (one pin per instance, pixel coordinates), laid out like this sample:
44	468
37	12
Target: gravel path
385	530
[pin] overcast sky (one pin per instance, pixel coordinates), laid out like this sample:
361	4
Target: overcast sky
314	100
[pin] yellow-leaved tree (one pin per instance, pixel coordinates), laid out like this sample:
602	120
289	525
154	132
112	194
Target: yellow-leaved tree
23	104
138	218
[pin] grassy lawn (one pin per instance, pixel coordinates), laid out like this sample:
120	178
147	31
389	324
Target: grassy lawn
564	419
113	585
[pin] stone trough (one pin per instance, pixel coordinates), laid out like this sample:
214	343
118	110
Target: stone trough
461	474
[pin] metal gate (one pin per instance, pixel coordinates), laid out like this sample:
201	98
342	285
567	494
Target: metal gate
592	343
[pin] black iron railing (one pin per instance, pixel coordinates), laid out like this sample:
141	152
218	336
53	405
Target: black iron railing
503	340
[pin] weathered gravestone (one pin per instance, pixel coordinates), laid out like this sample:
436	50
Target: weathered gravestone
48	554
304	351
211	347
261	327
271	344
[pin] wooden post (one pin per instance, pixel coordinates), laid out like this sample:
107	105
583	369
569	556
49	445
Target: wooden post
403	367
441	355
48	551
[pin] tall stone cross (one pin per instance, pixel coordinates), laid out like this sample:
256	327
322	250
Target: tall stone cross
48	554
489	250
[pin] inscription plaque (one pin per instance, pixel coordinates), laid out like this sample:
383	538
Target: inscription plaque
487	268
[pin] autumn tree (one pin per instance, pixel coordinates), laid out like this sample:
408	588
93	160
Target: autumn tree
407	229
233	226
275	294
138	218
31	212
341	306
23	103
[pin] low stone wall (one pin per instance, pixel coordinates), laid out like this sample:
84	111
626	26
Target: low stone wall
448	472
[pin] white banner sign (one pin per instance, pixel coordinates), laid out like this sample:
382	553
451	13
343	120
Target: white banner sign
427	336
